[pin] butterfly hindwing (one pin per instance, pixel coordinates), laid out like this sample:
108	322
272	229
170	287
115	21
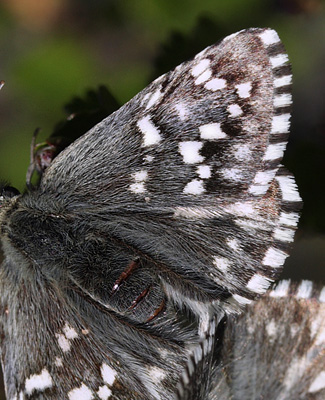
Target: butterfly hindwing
276	348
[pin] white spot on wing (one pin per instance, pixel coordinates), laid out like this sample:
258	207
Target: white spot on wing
58	361
221	263
289	219
70	333
274	257
154	98
104	392
182	110
288	188
211	131
281	289
204	171
279	60
274	151
64	343
269	37
318	383
108	374
244	89
215	84
322	296
284	234
81	393
190	152
241	300
203	77
140	176
149	158
234	110
280	124
258	284
194	187
200	67
283	81
264	177
150	133
138	187
233	244
38	382
157	374
271	329
282	100
305	290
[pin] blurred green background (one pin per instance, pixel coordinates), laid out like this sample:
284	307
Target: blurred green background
53	50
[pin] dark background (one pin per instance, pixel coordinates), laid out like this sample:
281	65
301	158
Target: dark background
53	50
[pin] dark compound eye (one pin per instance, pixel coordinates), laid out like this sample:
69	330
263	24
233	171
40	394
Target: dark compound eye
7	192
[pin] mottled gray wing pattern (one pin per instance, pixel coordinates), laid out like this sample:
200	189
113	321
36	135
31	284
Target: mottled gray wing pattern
186	176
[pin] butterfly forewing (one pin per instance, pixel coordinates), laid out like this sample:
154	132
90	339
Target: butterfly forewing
186	175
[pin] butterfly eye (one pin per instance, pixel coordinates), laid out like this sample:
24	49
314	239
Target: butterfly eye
7	192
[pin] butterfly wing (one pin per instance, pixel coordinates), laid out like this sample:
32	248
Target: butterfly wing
186	176
275	350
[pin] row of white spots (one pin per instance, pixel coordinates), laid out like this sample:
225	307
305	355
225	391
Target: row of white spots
304	291
203	73
64	339
139	186
38	382
104	392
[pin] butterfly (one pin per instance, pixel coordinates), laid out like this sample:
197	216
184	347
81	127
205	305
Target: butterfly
145	233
